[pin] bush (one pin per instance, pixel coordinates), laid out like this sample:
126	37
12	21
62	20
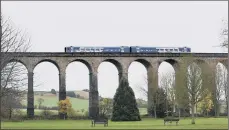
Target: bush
46	114
71	94
77	96
124	103
86	114
49	108
86	90
71	113
53	91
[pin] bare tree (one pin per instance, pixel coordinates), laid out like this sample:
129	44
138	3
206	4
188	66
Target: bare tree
221	86
195	82
12	80
105	106
40	101
167	83
224	34
11	103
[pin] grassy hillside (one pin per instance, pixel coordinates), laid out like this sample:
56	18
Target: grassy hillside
51	100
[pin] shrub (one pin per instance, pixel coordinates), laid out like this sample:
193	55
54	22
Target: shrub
71	113
46	114
53	91
64	107
86	90
71	94
77	96
86	114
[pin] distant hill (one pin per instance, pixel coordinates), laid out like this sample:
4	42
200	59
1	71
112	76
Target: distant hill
83	94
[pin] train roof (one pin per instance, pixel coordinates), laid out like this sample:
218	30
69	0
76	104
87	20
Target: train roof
126	46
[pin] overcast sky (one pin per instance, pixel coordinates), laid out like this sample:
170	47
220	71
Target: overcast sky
54	25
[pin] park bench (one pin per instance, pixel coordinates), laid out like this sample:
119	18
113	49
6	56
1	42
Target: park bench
171	120
99	121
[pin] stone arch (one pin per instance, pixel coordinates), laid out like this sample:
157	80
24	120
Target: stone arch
174	63
117	64
168	77
84	62
200	63
140	78
16	60
50	61
224	62
144	62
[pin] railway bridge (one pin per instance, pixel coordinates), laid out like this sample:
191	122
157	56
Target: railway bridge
92	60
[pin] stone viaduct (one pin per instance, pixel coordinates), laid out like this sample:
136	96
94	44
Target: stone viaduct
92	60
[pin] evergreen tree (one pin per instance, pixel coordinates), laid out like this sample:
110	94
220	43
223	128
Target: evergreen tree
124	104
53	91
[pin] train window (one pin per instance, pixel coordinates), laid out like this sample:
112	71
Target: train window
171	49
166	49
175	49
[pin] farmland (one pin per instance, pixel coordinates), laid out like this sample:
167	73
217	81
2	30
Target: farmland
51	100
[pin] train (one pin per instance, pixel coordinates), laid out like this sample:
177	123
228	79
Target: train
127	49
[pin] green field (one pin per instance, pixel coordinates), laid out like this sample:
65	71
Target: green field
77	104
201	123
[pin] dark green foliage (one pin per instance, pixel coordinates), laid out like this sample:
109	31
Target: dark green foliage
124	104
71	94
86	90
53	91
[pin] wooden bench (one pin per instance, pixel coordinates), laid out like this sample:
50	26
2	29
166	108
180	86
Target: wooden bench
171	120
99	121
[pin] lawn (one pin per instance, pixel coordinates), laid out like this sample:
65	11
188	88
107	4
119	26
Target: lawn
201	123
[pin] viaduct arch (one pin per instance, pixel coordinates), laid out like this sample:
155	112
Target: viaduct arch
121	61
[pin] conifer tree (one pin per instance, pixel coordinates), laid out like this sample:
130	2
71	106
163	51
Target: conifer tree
124	104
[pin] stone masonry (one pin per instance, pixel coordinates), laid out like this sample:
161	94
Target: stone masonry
93	60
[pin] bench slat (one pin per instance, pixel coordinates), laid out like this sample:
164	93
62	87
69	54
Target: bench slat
99	121
171	120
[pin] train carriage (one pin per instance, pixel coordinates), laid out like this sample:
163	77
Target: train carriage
127	49
122	49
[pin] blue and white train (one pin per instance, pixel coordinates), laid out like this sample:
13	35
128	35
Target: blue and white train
127	49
